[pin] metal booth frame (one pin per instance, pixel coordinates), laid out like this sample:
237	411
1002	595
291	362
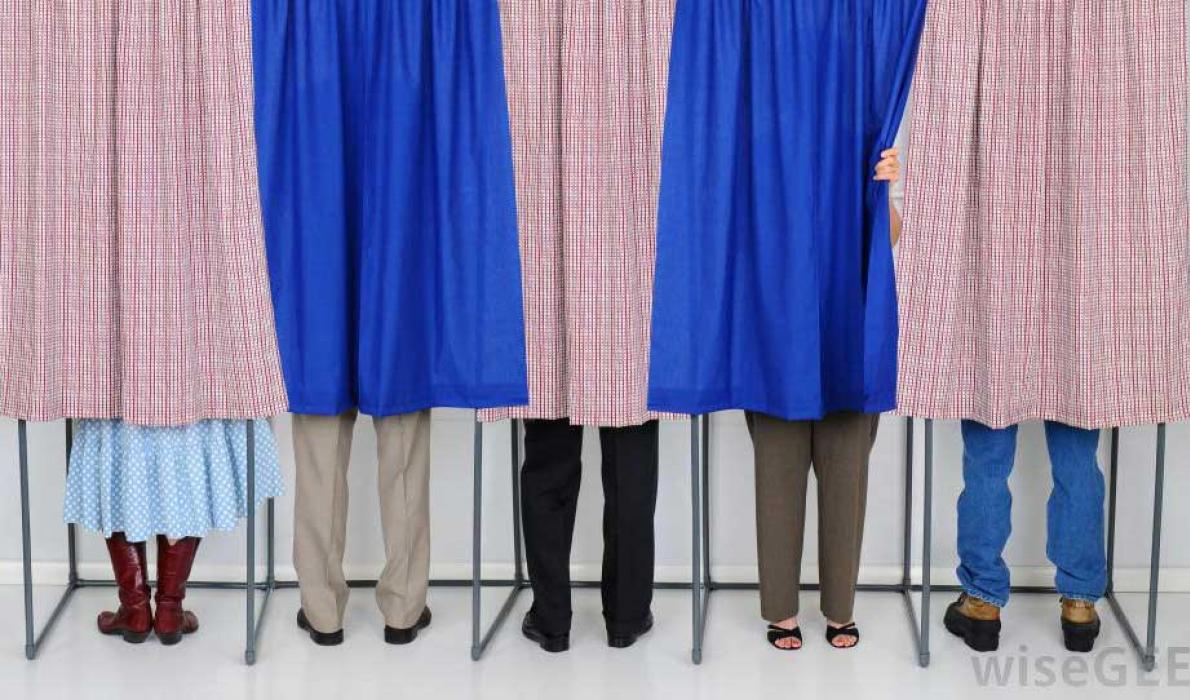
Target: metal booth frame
1145	650
702	583
254	615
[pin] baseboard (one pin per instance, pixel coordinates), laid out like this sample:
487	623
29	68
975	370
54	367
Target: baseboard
1128	580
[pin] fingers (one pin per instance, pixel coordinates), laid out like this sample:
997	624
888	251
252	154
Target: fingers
889	167
888	171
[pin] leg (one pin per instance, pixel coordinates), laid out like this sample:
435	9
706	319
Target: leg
985	511
322	450
985	522
550	482
783	453
404	485
134	618
842	446
1075	523
1076	543
174	562
630	460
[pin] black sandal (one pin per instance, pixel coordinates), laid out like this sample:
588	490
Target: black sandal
776	634
848	630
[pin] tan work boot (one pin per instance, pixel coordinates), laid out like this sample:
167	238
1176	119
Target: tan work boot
976	621
1080	624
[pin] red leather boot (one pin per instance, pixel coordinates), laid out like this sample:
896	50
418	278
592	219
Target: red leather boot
173	570
134	619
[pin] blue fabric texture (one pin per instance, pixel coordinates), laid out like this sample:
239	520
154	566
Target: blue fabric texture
387	178
775	288
1074	516
176	481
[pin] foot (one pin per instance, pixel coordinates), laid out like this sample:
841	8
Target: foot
322	639
133	620
785	641
172	623
842	636
553	643
623	640
132	623
405	635
1080	625
976	621
174	561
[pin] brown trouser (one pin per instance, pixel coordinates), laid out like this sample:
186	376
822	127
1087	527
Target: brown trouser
838	447
322	449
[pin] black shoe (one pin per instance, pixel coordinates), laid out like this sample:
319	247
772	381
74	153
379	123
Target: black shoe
553	643
397	635
324	639
979	635
623	640
1080	636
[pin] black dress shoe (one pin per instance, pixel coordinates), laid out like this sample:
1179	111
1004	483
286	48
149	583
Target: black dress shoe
623	640
325	639
552	643
398	635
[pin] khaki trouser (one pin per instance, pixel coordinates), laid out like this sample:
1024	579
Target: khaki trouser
322	448
838	447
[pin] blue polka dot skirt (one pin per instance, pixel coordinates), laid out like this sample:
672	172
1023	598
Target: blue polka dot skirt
176	481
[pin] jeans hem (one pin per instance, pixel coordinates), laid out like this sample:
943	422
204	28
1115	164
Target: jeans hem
979	595
1086	598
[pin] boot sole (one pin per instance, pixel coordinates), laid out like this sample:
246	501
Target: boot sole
129	636
1080	638
979	635
171	638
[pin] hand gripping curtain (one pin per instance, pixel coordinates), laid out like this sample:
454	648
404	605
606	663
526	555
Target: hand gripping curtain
775	290
386	169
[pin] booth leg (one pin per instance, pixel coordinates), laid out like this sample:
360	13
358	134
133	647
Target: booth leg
927	544
33	637
479	638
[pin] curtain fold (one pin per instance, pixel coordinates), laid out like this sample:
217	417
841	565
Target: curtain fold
390	214
1044	270
133	280
774	288
587	84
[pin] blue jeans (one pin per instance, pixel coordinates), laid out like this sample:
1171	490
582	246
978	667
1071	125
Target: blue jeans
1074	516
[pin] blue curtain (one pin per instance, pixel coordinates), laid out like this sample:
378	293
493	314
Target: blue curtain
775	288
387	180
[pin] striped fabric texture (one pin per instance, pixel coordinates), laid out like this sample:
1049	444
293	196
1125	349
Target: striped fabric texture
133	281
1045	261
587	85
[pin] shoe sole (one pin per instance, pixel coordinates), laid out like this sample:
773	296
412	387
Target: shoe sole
979	637
129	636
1080	638
625	641
322	639
552	645
406	636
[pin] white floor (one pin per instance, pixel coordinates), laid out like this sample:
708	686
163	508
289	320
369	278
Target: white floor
77	662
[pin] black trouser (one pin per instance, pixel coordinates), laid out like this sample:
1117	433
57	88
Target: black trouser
549	486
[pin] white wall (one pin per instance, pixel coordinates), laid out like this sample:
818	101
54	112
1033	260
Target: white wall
733	528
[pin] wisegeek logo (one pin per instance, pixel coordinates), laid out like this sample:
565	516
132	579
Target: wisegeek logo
1112	667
